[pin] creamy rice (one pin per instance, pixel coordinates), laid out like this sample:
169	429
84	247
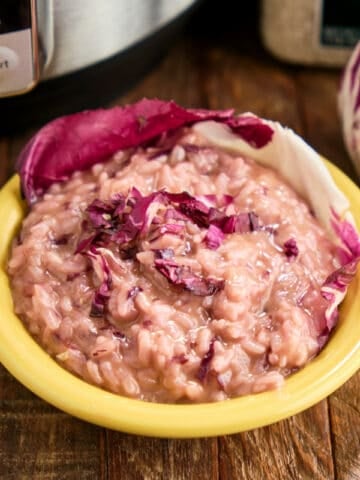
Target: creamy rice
169	316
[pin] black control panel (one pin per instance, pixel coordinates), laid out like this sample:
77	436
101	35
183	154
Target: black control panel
14	15
340	23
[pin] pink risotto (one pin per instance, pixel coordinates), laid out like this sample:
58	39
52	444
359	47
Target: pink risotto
174	273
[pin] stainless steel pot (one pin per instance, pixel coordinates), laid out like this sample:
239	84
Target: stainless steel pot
45	39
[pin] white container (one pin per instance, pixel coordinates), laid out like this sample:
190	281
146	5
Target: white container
311	32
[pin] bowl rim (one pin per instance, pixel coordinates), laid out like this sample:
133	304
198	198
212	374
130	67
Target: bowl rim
36	370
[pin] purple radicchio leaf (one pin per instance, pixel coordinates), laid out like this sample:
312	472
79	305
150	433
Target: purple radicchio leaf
133	292
204	216
341	278
86	243
167	228
252	129
240	223
291	249
102	271
244	223
335	286
349	238
334	290
206	361
349	105
138	219
123	221
119	202
174	214
78	141
214	237
100	214
190	206
184	277
212	200
354	70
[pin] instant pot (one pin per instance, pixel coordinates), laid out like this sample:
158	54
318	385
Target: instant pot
58	56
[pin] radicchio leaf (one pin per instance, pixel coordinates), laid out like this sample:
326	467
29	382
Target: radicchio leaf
349	239
78	141
349	106
205	216
335	286
184	277
102	293
342	277
195	210
206	361
214	237
86	243
251	129
240	223
123	221
133	292
334	290
100	214
290	248
138	219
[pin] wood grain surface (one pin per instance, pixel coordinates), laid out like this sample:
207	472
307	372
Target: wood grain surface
227	68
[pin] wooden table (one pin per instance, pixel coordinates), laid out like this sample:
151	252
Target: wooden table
218	69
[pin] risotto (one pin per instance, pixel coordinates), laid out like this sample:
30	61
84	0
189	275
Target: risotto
177	272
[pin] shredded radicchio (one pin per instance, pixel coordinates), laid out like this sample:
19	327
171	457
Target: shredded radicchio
337	283
133	292
214	237
241	223
206	361
350	242
100	214
139	213
125	221
184	277
290	248
334	290
102	270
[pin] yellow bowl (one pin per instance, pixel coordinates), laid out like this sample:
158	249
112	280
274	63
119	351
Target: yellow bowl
24	358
